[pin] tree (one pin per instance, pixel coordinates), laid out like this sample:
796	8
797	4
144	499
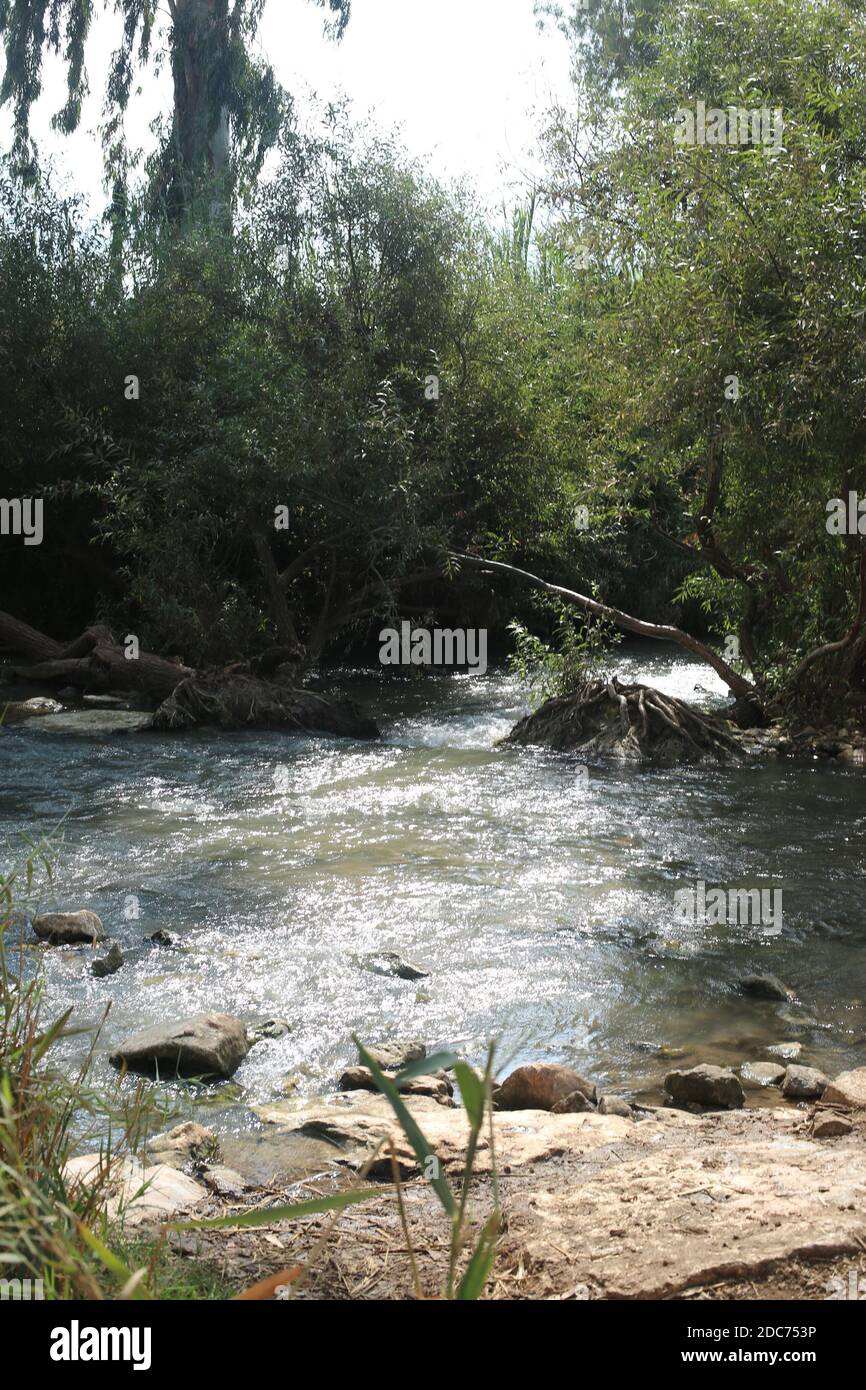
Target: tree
228	106
725	347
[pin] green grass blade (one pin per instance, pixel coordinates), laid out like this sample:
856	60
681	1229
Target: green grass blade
423	1151
260	1217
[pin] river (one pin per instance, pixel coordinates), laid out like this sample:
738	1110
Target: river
539	899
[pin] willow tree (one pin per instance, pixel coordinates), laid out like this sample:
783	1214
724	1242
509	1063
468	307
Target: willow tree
228	105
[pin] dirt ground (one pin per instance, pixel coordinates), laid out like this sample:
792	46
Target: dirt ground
739	1205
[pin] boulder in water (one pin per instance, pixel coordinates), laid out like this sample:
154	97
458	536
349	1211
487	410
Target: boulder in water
804	1083
714	1088
69	928
205	1046
108	964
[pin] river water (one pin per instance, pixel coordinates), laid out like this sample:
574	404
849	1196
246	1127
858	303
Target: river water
539	898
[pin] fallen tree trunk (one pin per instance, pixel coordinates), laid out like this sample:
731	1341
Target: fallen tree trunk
185	698
741	687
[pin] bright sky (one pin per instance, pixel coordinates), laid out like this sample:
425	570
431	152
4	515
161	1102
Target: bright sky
466	80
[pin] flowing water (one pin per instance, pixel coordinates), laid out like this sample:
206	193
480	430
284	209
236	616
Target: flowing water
539	899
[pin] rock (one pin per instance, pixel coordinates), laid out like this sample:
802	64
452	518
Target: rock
390	963
206	1046
788	1051
436	1084
848	1090
133	1193
830	1126
615	1105
855	756
713	1087
108	964
28	709
758	1074
764	987
225	1182
540	1085
105	701
163	938
804	1083
177	1146
394	1056
575	1103
69	928
90	723
268	1028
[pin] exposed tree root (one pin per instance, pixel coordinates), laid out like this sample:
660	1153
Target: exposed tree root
633	723
185	698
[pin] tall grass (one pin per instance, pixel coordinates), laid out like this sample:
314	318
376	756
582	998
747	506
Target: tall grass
52	1229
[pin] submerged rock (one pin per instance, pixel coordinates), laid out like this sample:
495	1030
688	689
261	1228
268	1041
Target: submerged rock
764	987
108	964
163	938
69	928
788	1051
540	1085
205	1046
712	1087
267	1028
804	1083
390	963
20	710
760	1074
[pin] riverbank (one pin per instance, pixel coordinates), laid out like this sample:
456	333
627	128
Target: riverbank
745	1204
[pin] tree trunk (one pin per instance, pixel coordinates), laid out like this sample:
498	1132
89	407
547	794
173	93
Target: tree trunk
663	632
185	698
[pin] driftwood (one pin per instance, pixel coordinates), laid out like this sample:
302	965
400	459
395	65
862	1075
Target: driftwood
633	723
185	698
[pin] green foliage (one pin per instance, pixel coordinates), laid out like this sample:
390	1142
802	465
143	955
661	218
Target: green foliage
577	653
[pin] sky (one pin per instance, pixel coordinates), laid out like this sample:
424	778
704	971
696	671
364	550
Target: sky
467	81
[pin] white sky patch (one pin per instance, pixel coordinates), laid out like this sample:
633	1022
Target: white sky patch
466	81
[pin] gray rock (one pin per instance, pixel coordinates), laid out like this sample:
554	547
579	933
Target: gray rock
804	1083
848	1090
788	1051
758	1074
90	723
764	987
713	1087
108	964
206	1045
225	1182
69	928
540	1085
615	1105
20	710
394	1056
163	938
391	964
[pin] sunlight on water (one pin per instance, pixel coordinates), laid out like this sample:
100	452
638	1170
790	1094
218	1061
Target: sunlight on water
540	901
